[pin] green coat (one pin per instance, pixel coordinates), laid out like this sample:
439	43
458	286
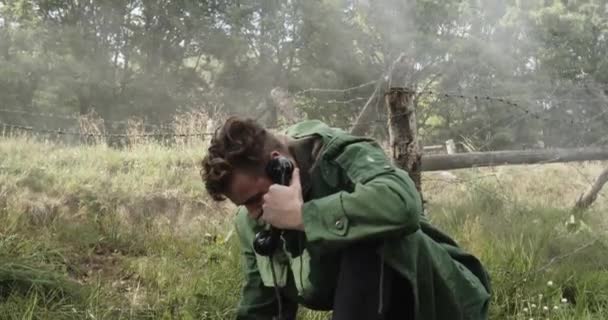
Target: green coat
352	192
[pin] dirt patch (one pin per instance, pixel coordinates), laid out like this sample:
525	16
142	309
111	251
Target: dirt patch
109	267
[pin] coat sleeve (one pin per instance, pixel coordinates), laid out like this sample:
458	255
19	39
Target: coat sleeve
257	301
375	200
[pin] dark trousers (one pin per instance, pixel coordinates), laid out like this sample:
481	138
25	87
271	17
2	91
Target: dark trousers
368	290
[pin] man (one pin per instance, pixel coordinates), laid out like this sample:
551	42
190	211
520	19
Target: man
354	239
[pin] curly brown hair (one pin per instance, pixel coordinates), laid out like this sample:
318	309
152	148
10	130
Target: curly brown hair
239	143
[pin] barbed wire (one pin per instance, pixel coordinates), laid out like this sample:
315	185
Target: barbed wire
503	100
363	85
170	134
344	126
75	133
40	114
347	101
515	118
509	102
74	117
536	114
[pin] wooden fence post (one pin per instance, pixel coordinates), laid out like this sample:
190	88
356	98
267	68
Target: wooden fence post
402	132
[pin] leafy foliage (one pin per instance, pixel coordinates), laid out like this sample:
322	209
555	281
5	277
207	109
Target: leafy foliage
151	58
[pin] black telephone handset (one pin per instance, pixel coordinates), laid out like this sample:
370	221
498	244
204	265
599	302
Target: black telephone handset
279	169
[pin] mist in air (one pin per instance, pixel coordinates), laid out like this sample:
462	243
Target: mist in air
490	74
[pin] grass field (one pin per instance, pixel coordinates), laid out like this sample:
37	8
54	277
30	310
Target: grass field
91	232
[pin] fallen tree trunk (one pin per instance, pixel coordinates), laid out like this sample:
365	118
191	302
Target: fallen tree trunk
587	198
498	158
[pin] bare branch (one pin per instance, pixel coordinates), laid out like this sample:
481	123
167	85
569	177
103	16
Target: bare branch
586	199
363	119
565	255
346	101
362	123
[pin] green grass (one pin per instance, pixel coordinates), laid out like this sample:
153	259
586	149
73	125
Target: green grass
97	233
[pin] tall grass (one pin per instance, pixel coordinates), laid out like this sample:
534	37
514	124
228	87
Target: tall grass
544	261
92	232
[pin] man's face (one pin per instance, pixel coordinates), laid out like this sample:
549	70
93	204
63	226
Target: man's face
248	189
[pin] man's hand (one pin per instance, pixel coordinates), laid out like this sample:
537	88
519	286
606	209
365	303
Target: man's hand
283	204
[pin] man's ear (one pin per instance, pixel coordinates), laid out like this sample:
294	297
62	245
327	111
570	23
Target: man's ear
274	154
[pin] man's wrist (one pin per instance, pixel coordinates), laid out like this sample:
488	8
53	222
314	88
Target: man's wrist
300	225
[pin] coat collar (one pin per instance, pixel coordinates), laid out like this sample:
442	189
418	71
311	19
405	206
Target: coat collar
306	151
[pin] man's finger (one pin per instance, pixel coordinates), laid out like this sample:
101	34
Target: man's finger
295	178
264	212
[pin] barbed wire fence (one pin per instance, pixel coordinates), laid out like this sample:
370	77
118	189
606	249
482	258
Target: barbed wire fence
199	130
120	132
526	109
518	111
91	129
